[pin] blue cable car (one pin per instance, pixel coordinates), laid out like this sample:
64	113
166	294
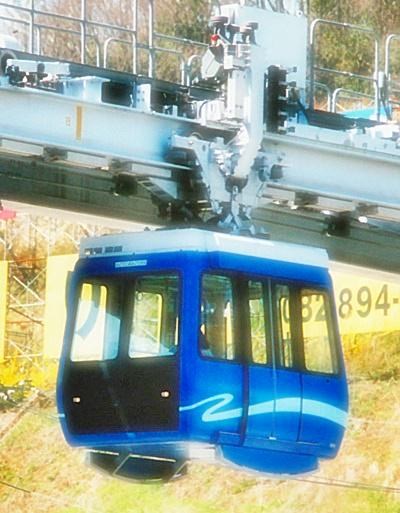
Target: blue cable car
181	340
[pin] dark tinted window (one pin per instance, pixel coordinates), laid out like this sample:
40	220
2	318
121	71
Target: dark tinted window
217	318
150	304
154	329
284	343
262	321
97	324
319	354
259	329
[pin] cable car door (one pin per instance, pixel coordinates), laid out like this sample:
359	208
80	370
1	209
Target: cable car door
261	392
287	378
213	404
122	373
324	387
274	384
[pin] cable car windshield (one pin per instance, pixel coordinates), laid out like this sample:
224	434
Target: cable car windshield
151	303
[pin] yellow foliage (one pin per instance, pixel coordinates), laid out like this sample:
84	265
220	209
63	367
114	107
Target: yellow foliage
372	355
41	375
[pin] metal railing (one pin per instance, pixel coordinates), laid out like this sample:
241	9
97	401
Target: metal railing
31	19
374	78
357	94
392	85
325	89
350	94
388	47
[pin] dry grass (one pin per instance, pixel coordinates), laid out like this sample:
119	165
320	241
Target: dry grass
35	456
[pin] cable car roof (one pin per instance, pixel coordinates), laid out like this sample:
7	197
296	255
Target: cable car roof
192	239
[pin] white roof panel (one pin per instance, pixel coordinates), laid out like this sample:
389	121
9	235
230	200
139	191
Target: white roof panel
192	239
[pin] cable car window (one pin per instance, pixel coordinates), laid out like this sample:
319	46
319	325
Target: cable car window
284	339
317	332
97	324
154	330
258	328
217	318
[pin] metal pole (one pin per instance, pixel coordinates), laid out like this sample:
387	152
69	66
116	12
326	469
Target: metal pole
38	40
376	83
388	44
32	28
151	39
312	64
188	69
134	35
83	31
98	52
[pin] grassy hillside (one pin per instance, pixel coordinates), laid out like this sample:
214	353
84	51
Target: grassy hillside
34	456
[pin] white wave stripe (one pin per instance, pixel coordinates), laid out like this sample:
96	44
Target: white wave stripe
213	414
282	405
326	411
